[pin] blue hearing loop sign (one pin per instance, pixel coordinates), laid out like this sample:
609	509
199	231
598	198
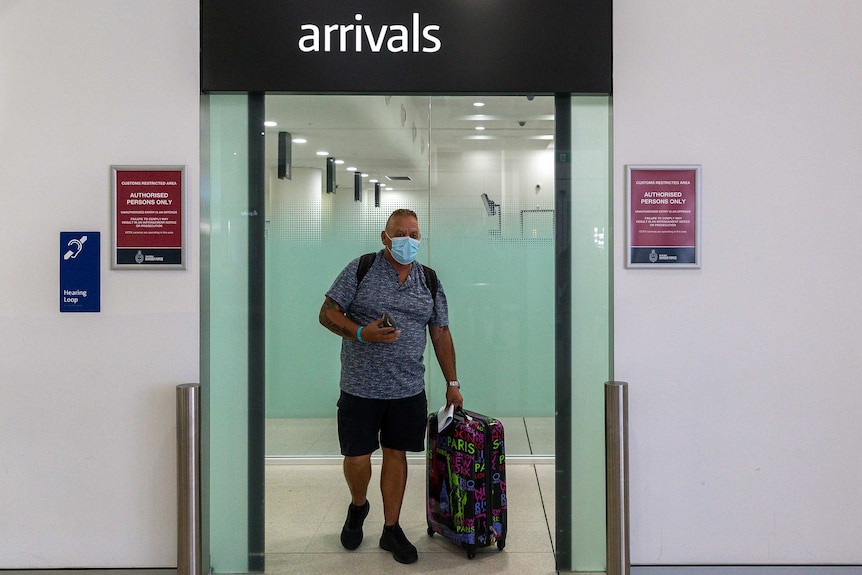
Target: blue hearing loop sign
80	279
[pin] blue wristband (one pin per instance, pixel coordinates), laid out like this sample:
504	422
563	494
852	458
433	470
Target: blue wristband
359	335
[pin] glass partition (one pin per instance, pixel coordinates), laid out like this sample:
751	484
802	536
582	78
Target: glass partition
224	340
591	303
492	218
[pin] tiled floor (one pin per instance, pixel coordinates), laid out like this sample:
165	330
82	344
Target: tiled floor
307	504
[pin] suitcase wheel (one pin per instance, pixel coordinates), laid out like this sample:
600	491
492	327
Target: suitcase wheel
501	544
471	551
430	531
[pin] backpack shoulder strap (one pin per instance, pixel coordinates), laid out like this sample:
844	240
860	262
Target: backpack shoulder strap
431	280
365	262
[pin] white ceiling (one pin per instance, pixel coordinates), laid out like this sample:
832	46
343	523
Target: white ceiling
390	136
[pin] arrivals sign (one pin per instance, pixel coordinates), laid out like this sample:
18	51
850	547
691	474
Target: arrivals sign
149	230
407	46
663	216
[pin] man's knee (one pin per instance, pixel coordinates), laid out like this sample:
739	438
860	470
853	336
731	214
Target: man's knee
357	461
394	457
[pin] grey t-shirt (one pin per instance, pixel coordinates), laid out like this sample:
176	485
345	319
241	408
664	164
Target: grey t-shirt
387	370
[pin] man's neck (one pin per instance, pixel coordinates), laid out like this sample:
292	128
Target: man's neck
402	269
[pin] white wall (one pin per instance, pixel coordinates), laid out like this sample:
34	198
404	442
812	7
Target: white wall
87	418
745	375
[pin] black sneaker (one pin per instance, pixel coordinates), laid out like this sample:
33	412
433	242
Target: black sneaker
394	540
351	534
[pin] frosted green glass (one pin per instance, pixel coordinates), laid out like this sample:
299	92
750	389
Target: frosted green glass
499	279
591	321
227	283
311	236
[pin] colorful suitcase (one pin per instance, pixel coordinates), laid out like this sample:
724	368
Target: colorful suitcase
466	481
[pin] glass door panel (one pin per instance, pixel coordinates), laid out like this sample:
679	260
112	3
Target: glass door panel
317	221
492	218
592	306
225	333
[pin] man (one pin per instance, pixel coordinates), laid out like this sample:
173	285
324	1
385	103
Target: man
382	402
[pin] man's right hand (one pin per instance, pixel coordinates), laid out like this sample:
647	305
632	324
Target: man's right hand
374	332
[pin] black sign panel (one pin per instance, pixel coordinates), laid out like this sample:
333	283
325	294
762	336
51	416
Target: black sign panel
399	46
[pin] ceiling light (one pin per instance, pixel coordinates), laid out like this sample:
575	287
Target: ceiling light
364	175
478	104
339	162
299	141
270	124
351	168
480	128
322	153
373	180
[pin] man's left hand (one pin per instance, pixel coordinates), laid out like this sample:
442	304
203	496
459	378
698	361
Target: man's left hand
454	397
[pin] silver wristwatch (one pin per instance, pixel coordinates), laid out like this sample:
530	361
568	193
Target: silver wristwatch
455	383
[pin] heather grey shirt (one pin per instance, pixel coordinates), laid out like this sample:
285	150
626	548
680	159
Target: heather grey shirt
387	370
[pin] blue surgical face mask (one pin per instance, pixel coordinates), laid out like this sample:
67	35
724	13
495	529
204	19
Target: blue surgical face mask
404	249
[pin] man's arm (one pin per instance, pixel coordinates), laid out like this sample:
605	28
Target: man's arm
444	348
332	317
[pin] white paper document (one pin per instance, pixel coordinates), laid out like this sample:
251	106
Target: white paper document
445	417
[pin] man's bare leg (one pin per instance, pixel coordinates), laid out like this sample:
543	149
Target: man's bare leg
357	472
393	482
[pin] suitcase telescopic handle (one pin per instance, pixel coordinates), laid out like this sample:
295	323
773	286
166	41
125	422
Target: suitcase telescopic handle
461	415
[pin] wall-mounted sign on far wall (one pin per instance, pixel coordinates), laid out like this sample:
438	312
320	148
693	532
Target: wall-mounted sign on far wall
80	280
149	226
663	210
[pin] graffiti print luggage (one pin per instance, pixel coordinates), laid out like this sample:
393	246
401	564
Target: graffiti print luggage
466	481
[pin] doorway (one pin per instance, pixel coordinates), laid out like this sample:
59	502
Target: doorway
479	172
499	246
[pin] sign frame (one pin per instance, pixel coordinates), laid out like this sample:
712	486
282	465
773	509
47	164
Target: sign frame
666	231
160	242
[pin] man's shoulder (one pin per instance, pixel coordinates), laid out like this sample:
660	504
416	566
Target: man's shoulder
364	263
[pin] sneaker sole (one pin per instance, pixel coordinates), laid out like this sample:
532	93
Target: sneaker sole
400	560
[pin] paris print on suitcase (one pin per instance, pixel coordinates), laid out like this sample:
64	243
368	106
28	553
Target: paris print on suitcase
466	481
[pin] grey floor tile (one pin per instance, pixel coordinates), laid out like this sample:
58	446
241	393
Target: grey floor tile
540	431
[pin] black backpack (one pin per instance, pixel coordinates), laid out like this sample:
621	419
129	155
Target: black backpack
366	260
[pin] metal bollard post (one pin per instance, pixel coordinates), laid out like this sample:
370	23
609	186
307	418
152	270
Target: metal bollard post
188	479
617	476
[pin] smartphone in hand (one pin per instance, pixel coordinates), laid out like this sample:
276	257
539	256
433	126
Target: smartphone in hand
388	321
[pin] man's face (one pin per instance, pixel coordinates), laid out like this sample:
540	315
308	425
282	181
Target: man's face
400	227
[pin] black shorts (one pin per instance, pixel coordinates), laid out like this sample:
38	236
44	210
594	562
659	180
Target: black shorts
366	424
